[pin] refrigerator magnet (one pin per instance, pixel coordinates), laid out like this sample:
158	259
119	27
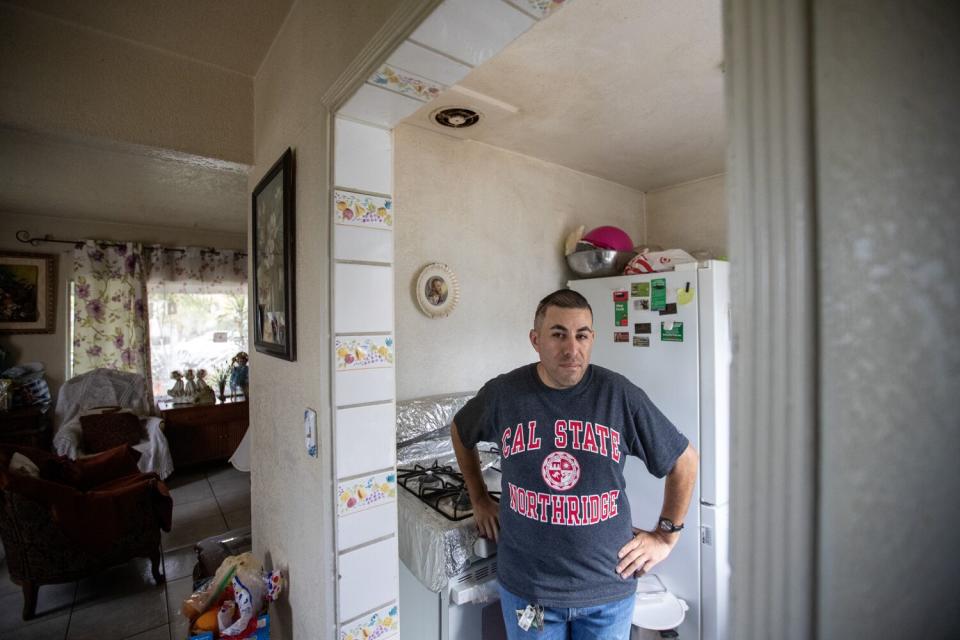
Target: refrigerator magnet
658	294
620	299
641	341
671	331
621	336
640	289
641	304
641	327
669	309
685	294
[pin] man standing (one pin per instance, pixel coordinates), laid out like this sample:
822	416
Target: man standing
567	554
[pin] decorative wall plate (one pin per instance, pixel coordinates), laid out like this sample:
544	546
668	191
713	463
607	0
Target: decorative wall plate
438	291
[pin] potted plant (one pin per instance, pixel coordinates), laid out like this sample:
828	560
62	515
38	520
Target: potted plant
221	375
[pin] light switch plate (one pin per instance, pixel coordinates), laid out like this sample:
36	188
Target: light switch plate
310	432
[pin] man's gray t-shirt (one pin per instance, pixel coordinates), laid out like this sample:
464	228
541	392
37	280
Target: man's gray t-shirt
563	511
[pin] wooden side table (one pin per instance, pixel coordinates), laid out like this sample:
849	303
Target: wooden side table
28	426
204	432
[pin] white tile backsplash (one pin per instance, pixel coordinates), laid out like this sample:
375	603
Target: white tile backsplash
369	577
363	298
361	243
366	439
365	385
472	31
379	106
363	157
358	528
423	62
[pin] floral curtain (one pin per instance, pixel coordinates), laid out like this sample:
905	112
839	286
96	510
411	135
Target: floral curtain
110	322
196	270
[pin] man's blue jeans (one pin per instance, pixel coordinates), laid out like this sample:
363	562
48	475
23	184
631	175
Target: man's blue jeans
609	621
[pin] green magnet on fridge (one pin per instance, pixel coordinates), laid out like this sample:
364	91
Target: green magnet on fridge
659	294
671	331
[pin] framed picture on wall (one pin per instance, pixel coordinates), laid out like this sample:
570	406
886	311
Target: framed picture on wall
28	292
437	290
274	240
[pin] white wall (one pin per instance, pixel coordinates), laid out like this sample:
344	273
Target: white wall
888	149
498	219
292	493
690	216
51	349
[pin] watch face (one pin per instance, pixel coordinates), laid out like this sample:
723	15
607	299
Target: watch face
667	525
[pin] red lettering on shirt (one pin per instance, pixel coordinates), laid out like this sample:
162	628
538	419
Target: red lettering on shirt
602	434
589	440
506	447
614	445
533	442
560	434
576	425
556	504
613	502
573	510
594	509
543	500
518	446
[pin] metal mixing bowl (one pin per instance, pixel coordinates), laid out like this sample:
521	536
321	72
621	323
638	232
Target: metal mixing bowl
597	263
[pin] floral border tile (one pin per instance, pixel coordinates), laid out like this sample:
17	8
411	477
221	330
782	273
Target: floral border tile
364	352
378	626
362	493
362	210
409	84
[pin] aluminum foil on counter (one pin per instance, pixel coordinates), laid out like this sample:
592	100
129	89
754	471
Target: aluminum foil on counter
433	548
420	417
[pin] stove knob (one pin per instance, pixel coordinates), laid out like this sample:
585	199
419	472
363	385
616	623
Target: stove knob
484	548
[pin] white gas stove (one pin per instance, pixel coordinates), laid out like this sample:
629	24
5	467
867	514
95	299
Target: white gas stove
448	587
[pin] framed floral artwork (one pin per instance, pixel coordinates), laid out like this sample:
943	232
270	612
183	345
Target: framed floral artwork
28	292
437	290
274	240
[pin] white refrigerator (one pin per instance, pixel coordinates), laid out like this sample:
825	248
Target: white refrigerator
680	355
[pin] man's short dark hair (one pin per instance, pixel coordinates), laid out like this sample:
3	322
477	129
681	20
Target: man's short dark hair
563	298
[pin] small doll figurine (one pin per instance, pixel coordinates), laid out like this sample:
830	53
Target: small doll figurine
190	388
177	390
204	392
239	372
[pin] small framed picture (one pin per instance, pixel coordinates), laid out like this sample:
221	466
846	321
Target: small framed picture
437	290
28	292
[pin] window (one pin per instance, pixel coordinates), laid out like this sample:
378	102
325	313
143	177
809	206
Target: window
194	331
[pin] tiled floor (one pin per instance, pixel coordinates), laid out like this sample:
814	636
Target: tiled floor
123	602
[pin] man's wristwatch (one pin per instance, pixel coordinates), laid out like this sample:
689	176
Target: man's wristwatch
666	526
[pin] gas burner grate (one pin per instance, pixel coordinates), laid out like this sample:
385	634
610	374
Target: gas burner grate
441	487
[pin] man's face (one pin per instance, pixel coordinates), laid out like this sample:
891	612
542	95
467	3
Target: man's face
564	340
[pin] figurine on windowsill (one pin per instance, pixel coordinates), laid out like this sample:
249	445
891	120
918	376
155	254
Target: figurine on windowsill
190	385
205	394
178	393
240	373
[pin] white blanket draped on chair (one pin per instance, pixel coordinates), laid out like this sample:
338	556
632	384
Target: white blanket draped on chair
108	387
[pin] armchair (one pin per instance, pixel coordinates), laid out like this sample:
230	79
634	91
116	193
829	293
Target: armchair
61	520
108	387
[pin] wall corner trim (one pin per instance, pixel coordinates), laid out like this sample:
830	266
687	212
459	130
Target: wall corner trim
774	399
404	21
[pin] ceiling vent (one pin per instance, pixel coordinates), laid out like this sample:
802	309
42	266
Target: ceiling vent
455	117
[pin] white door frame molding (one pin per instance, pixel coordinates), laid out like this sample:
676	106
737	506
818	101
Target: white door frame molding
404	21
773	288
